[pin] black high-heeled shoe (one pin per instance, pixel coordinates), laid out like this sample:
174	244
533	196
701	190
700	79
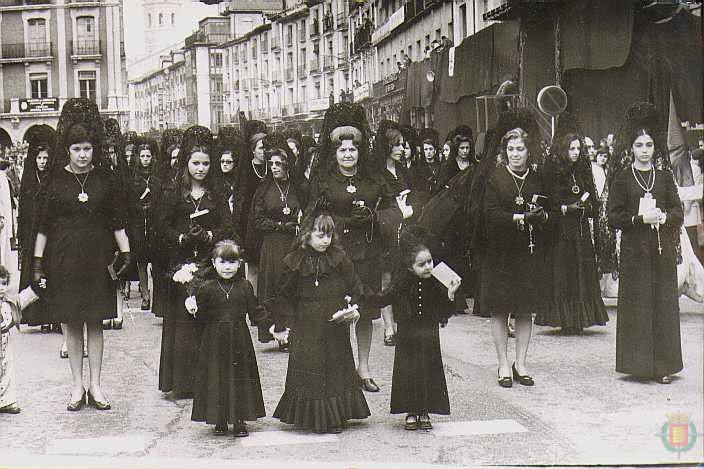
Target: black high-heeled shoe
74	406
99	405
524	380
220	430
240	429
504	381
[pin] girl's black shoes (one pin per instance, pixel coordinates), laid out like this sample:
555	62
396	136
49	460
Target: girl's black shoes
424	422
524	380
411	422
368	384
504	381
664	380
220	429
240	429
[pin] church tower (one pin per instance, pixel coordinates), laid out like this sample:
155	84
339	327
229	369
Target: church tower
164	22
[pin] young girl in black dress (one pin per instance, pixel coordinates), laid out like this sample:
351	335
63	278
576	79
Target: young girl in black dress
227	388
318	280
418	383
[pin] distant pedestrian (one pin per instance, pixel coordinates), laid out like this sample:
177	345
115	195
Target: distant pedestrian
418	385
227	389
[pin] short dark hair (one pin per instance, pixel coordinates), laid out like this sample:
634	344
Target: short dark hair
322	222
227	250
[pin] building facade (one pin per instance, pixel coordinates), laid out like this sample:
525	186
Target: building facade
53	50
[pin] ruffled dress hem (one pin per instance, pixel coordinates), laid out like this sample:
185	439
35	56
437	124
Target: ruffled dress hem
320	415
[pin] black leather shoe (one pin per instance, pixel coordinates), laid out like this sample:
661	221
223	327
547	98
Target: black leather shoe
523	380
10	409
117	324
99	405
368	384
504	381
411	422
424	422
146	305
335	430
240	430
74	406
220	430
45	328
107	324
664	380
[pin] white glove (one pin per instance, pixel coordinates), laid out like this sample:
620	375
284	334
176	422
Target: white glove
279	336
406	210
191	305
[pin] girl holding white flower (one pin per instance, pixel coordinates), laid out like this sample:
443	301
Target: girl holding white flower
227	390
193	217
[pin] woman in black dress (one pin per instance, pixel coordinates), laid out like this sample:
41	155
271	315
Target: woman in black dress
428	168
276	210
644	204
250	173
34	176
145	189
81	215
391	151
194	216
512	274
354	191
576	294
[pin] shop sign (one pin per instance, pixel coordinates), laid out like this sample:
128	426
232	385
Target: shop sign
360	92
39	105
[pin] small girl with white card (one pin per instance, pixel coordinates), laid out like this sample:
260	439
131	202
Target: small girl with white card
418	384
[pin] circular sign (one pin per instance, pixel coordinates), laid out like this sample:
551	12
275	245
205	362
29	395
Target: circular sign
552	100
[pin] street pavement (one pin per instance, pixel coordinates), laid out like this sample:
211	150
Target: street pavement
580	412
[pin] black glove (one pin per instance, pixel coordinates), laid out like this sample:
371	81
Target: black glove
535	216
38	275
290	227
125	260
360	216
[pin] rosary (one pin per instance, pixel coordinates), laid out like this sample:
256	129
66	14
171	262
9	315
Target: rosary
83	195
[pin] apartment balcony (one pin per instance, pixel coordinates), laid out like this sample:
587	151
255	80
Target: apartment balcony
343	61
17	3
235	59
264	79
342	22
89	47
25	50
245	84
314	66
254	53
328	62
265	46
315	30
289	73
243	58
299	108
301	34
276	76
328	24
289	40
236	86
255	83
312	3
302	71
275	43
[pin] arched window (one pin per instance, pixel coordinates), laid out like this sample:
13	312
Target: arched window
173	19
161	19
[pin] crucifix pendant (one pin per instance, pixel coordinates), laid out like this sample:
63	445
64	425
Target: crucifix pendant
283	199
520	200
83	197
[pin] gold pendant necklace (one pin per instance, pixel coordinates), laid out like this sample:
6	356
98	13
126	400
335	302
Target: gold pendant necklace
83	195
226	292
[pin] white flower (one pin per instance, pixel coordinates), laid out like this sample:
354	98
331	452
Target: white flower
185	273
191	305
